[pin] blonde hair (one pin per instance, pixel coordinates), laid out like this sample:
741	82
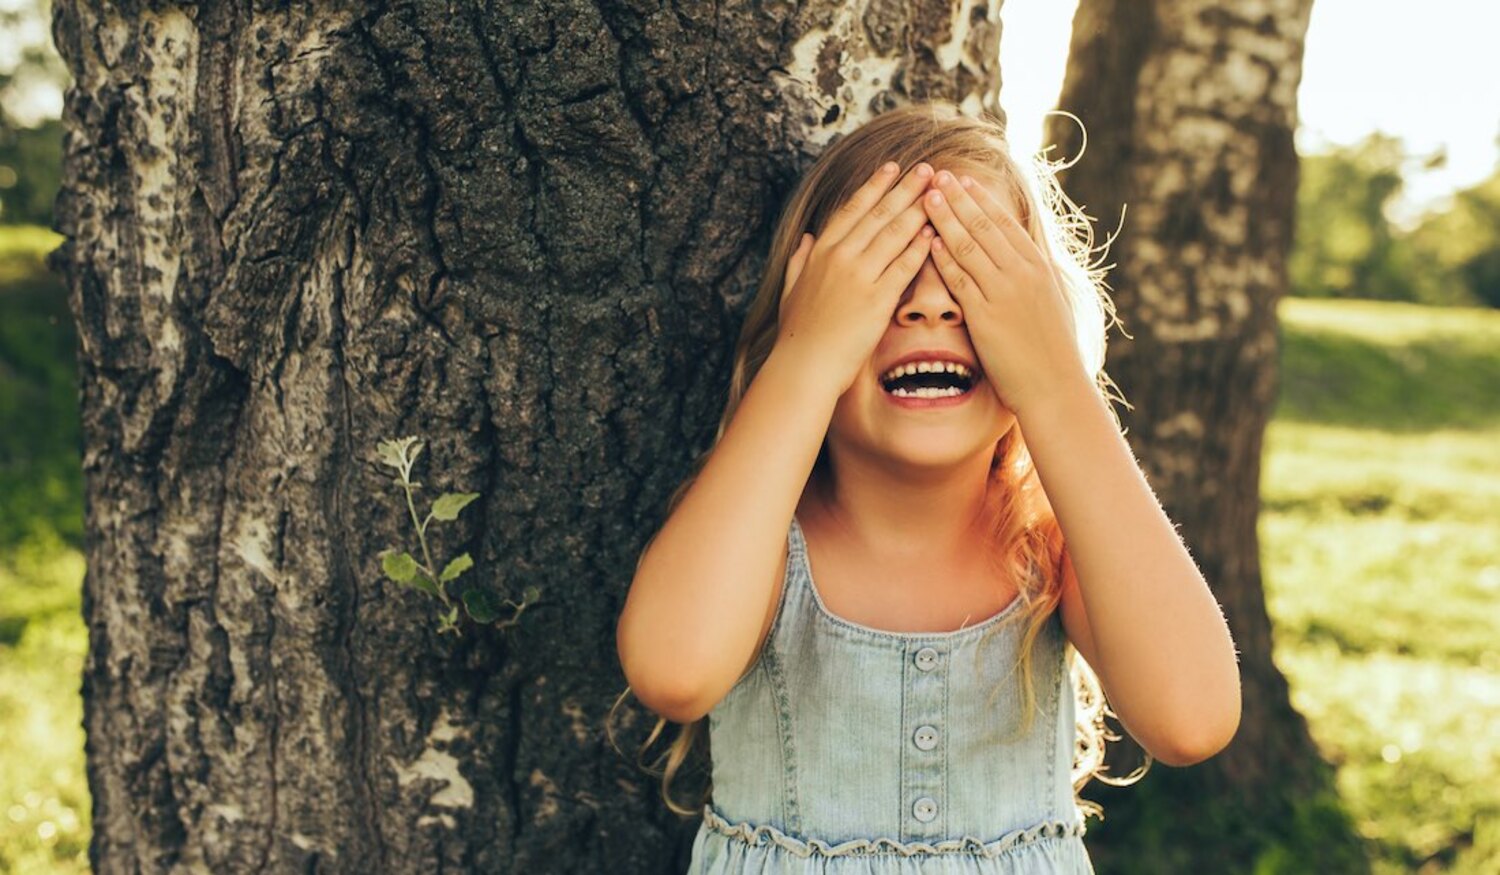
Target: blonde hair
1025	532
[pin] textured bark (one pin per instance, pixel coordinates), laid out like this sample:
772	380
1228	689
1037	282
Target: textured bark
1190	109
524	232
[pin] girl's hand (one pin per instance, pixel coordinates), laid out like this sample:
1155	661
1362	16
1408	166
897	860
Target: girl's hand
1018	318
842	289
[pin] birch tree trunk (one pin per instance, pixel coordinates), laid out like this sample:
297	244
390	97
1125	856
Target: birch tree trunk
1190	109
524	232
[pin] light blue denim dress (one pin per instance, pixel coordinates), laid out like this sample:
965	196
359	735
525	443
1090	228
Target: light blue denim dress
849	750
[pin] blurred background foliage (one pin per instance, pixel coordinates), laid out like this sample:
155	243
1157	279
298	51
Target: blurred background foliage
1379	496
1348	247
32	77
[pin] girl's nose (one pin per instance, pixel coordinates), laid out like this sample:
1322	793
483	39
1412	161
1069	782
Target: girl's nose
928	298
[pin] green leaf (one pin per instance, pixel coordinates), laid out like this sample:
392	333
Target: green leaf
447	506
400	567
482	605
531	594
425	584
458	566
393	452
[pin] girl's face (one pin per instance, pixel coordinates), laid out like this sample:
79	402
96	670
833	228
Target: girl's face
937	433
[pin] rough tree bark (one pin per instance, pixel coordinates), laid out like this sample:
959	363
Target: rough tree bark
1190	109
524	232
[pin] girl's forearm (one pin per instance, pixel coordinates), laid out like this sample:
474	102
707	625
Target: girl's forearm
1165	654
699	600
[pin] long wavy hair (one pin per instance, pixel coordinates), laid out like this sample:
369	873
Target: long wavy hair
1026	538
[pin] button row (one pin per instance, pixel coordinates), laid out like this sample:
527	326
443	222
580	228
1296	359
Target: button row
925	809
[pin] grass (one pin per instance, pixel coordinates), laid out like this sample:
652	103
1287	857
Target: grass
44	798
1380	492
1387	366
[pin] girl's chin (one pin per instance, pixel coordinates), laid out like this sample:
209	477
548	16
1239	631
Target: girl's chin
929	463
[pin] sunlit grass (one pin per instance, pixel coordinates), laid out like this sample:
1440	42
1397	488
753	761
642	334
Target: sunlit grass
1380	501
1388	323
22	248
1401	559
44	799
1419	369
1415	742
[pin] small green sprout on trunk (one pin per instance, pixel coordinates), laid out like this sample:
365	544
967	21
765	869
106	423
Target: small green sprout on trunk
481	605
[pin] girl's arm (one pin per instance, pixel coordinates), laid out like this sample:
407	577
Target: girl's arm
1163	650
698	603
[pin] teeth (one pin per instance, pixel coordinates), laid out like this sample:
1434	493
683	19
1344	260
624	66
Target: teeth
926	368
928	393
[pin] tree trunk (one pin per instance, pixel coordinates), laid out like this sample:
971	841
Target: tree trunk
1190	109
522	232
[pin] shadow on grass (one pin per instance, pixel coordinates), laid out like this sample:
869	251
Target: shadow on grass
41	472
1437	381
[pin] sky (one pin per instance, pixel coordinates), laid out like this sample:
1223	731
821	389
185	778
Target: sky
1427	73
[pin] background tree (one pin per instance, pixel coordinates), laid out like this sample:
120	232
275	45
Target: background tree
1457	250
1190	109
1347	245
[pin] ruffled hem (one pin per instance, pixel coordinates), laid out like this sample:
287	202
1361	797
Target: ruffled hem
757	834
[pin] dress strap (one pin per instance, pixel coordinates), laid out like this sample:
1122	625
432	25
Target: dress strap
794	584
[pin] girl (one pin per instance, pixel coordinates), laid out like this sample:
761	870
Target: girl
925	354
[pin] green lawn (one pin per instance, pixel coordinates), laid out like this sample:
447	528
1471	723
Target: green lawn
44	799
1381	492
1380	501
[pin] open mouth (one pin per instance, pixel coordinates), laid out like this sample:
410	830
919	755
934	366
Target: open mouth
931	384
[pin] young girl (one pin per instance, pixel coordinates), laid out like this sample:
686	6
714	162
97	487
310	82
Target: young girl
925	354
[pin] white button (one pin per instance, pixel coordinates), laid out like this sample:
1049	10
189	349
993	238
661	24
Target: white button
925	809
927	659
926	737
